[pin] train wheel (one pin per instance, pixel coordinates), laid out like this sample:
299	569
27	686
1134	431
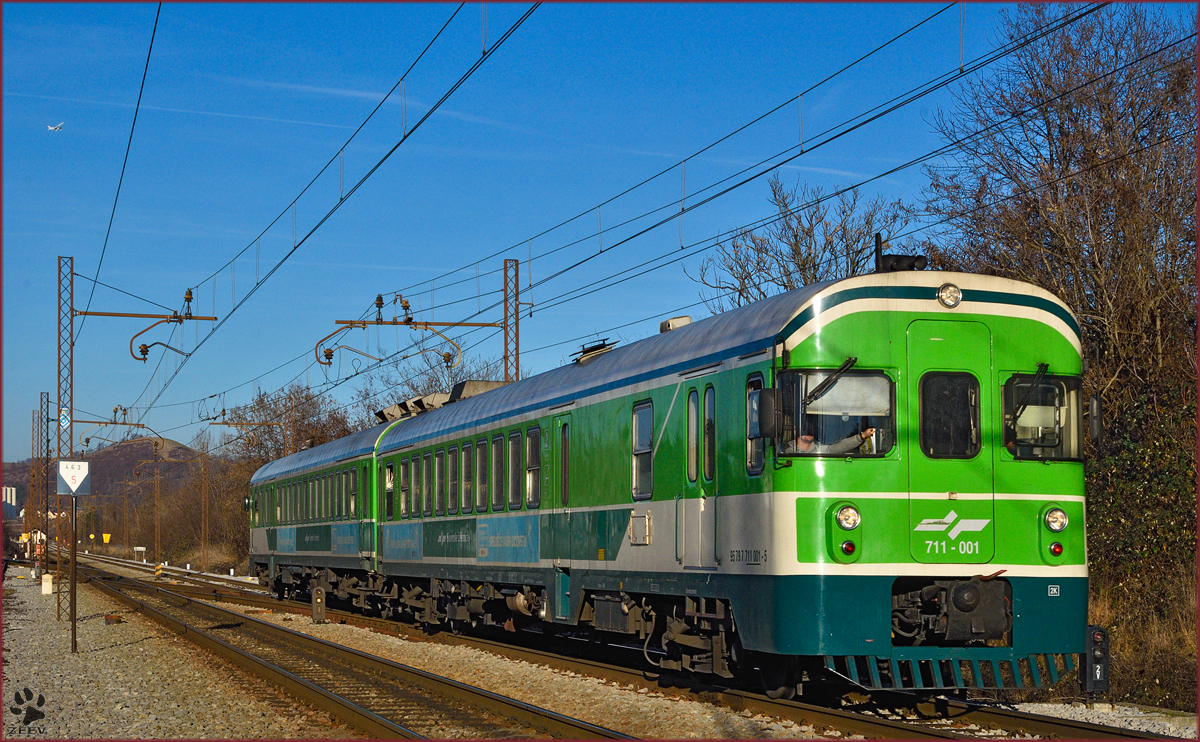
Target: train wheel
779	677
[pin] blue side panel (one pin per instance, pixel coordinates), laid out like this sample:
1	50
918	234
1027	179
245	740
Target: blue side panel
402	541
287	540
343	539
511	539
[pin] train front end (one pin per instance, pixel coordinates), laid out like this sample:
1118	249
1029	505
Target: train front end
930	427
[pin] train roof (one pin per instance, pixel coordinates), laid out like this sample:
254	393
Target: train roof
727	335
731	334
350	447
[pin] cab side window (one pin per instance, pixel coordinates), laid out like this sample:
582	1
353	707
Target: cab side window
755	449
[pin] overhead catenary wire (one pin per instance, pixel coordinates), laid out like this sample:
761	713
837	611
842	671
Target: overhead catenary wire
693	155
120	180
217	326
1064	19
540	282
846	127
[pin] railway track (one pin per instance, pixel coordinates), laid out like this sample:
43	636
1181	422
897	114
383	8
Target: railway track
382	698
892	715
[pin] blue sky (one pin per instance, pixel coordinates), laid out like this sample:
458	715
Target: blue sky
244	103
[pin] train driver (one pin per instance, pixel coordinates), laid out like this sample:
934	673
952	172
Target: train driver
807	441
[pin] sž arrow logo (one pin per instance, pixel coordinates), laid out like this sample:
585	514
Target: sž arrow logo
966	525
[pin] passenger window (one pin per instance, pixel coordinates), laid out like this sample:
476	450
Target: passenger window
949	415
643	454
497	474
439	475
710	434
452	475
533	468
481	477
756	448
468	478
353	493
515	480
564	485
427	487
405	489
390	480
693	436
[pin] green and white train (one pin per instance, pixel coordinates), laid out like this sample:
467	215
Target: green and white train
878	479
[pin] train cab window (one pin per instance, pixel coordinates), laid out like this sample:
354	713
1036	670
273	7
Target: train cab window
533	468
452	478
353	493
824	413
481	477
643	455
405	488
497	474
710	434
389	479
427	486
439	478
755	448
949	415
1043	417
516	480
693	437
468	478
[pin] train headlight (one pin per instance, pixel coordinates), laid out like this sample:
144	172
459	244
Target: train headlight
949	295
1056	519
848	517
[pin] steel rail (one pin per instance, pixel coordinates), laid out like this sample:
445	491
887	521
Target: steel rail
959	712
552	723
334	705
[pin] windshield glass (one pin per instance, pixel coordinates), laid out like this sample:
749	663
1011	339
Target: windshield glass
1043	417
852	417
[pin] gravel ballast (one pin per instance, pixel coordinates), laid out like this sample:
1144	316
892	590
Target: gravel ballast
131	680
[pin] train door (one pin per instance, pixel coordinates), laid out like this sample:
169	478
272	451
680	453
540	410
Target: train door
362	510
560	515
697	509
950	403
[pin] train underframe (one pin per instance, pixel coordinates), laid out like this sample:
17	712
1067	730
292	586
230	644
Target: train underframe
696	634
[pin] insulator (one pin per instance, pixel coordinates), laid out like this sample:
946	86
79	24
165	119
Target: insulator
144	350
379	301
187	296
329	354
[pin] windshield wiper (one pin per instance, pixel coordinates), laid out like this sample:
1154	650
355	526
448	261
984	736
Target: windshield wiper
1042	368
830	381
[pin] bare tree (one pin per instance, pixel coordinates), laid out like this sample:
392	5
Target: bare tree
1083	181
815	237
1090	190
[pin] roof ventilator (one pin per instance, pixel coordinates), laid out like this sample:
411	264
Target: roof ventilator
674	323
588	352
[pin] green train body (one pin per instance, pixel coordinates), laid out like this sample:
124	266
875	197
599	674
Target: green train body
662	490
